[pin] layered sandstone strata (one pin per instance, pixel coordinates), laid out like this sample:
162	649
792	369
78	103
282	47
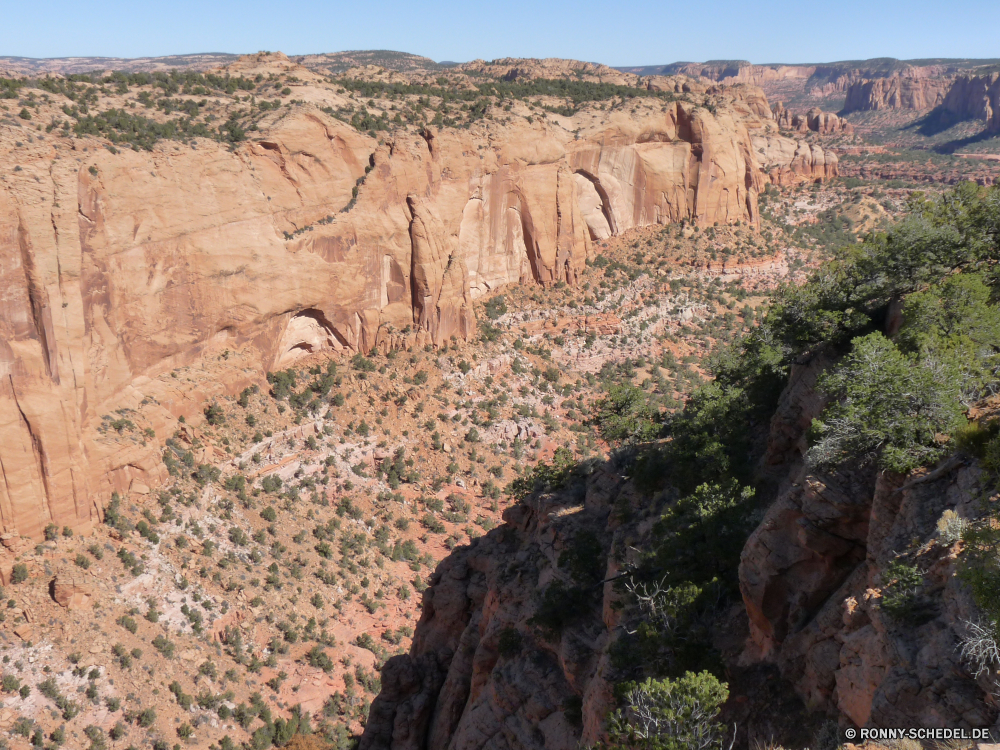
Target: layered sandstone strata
788	161
975	98
895	92
815	120
136	286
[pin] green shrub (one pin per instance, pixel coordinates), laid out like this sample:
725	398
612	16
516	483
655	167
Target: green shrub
561	606
495	307
432	524
901	594
584	558
699	538
362	363
214	414
128	623
667	714
887	407
164	646
626	415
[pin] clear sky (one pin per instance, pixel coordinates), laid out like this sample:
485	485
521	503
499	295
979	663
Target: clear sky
620	32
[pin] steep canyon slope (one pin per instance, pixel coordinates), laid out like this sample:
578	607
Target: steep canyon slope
953	90
862	554
119	266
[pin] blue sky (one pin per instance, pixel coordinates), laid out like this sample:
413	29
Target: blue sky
616	33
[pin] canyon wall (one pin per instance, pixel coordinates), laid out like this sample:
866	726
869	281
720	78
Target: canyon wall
479	674
812	573
815	120
896	92
949	98
788	161
974	98
825	79
483	670
137	286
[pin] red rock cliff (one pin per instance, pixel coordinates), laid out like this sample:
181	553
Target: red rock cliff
151	282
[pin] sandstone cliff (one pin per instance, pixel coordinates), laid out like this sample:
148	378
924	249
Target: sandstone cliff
804	82
788	161
483	673
812	571
948	98
138	285
479	674
815	120
974	98
896	92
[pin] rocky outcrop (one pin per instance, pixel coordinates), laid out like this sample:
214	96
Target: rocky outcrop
677	84
741	71
687	153
787	161
823	80
751	100
895	92
517	68
480	673
812	571
442	302
71	591
815	120
879	84
120	271
974	98
827	123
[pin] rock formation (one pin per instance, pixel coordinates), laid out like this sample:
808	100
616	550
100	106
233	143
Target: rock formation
515	68
478	674
788	161
72	591
974	98
482	672
895	92
883	81
130	279
952	98
810	576
815	120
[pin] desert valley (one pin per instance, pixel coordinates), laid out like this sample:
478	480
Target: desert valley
358	400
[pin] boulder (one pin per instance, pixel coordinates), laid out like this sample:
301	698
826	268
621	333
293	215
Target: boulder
71	592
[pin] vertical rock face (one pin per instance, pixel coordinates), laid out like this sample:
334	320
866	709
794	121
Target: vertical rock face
117	269
815	120
479	673
810	577
442	305
975	98
787	161
895	92
663	171
827	123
